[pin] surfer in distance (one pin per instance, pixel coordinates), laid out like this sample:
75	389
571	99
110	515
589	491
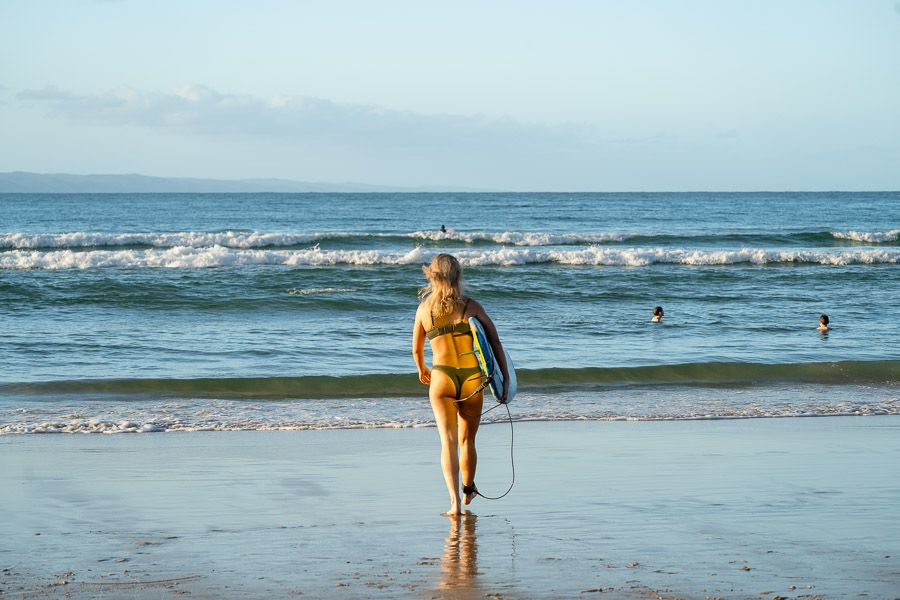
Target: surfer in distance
823	324
454	378
443	228
657	314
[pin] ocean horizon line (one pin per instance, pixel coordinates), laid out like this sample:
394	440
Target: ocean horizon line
30	182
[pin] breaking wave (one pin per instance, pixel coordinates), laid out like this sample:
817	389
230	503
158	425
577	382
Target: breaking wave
255	239
184	257
246	240
886	372
875	237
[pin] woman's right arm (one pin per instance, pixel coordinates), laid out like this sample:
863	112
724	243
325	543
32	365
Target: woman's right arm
418	348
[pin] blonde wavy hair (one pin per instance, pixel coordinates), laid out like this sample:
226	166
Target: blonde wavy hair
444	290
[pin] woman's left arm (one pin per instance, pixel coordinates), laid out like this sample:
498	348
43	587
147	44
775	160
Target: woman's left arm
494	338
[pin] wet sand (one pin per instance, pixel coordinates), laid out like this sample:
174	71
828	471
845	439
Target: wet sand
763	508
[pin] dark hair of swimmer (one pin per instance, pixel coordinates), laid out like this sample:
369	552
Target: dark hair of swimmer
658	311
823	320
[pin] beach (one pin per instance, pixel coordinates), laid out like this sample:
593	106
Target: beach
791	508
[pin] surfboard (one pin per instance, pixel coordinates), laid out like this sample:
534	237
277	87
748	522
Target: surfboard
488	363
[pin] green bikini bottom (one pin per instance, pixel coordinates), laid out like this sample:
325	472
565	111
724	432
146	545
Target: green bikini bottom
458	375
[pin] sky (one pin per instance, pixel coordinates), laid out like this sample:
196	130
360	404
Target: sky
507	95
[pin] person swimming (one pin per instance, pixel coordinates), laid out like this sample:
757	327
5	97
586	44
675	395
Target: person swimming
454	378
657	314
443	228
823	324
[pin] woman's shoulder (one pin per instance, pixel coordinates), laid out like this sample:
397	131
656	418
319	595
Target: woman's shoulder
471	305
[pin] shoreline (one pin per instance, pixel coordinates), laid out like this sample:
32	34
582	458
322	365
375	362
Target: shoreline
689	509
78	414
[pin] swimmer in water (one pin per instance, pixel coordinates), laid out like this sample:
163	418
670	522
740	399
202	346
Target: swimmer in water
657	315
823	324
443	228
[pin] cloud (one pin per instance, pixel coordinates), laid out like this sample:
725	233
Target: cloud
198	109
660	137
897	7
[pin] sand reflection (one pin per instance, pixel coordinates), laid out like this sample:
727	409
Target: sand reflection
459	564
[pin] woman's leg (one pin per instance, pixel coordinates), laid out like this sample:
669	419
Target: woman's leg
469	420
444	408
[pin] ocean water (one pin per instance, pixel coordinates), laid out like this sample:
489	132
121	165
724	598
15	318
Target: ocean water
159	312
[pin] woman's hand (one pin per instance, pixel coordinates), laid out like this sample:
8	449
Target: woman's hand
425	375
505	394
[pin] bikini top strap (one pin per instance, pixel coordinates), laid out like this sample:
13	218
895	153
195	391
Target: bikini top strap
465	308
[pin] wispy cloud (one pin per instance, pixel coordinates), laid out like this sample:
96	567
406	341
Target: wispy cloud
660	137
199	109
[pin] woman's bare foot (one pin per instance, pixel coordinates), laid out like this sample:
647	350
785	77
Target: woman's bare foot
454	509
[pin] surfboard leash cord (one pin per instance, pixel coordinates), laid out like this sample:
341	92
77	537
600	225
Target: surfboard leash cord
512	462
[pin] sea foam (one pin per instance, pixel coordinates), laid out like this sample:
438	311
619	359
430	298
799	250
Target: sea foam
869	237
185	257
646	404
256	239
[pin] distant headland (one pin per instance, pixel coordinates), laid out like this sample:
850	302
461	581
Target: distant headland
23	182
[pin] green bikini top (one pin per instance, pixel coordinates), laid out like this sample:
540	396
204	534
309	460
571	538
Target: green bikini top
460	328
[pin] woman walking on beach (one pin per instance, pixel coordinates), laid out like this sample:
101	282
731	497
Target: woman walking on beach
454	378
